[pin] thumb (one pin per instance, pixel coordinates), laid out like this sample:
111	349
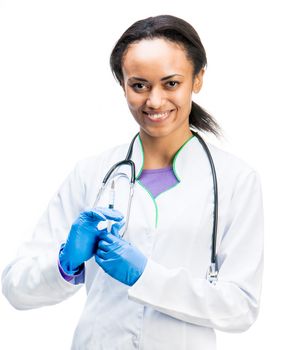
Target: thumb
115	229
110	214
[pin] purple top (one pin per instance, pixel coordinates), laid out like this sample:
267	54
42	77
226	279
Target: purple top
155	181
158	180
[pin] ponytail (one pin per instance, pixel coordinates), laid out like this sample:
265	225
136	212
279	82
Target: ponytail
203	121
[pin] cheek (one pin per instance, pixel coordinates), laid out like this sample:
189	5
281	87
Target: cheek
183	98
134	101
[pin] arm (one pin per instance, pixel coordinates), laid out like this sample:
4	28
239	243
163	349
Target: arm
33	278
231	304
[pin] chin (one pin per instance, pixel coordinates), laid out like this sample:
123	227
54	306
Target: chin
155	133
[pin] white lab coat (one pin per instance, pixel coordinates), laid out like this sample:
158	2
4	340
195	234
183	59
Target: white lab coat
172	305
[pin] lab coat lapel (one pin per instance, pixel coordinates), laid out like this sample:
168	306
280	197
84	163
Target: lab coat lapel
190	198
184	210
142	220
190	202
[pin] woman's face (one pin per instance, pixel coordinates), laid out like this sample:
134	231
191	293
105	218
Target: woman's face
158	85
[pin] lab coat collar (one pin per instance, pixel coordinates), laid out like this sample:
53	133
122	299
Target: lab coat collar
190	150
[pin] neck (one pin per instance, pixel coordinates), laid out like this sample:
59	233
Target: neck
160	151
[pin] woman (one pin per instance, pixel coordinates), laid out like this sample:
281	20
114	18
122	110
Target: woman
146	275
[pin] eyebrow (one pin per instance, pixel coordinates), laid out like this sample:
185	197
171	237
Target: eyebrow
146	81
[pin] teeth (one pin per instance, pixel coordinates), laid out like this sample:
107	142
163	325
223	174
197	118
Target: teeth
158	115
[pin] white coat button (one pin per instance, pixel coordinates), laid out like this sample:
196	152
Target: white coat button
135	341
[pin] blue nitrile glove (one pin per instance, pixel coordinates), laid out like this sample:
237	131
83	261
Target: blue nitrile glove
120	259
82	240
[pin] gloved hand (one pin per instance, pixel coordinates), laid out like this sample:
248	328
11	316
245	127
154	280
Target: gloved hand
120	259
82	241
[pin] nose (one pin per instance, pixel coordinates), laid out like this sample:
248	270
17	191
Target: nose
155	98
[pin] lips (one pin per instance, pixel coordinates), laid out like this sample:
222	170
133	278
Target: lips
157	116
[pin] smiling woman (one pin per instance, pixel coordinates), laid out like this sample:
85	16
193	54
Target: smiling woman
161	106
146	274
160	63
183	40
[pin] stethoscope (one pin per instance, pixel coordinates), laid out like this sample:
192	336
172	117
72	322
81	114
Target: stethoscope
213	268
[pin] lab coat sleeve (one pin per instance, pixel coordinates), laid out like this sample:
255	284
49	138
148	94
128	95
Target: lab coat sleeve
232	303
33	279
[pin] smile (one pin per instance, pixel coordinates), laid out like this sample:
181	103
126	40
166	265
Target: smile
157	116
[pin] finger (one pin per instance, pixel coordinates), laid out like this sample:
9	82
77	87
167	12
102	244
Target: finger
110	214
117	227
104	245
101	254
93	215
111	238
104	235
99	260
115	231
119	224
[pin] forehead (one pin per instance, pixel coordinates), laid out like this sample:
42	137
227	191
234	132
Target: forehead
155	57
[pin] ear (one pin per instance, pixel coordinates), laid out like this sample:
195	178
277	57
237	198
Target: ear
198	81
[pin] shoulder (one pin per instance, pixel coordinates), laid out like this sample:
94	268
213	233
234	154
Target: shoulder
232	170
229	162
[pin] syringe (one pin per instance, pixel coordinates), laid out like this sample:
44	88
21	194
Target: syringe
111	203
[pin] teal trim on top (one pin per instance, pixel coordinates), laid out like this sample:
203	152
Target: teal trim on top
174	159
143	157
155	203
173	162
137	176
173	167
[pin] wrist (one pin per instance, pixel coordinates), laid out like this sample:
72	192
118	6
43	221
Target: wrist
68	274
142	262
67	265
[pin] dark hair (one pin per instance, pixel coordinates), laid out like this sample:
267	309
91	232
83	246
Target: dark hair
178	31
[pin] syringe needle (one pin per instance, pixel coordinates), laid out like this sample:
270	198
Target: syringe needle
111	203
112	195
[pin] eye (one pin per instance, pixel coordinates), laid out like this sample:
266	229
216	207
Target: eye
138	86
172	83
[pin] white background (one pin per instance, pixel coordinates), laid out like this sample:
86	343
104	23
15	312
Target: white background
59	103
